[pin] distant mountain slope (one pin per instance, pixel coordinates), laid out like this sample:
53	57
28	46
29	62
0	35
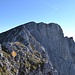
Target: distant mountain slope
48	40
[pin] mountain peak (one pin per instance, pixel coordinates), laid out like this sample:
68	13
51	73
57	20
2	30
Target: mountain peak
40	49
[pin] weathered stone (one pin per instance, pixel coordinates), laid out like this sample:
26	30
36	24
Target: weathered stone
31	55
51	37
41	41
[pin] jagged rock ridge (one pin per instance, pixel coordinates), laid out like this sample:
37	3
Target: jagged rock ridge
31	58
43	42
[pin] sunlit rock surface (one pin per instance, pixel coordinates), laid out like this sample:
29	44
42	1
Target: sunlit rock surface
39	49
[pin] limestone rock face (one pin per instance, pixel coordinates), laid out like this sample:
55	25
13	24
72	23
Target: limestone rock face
51	37
41	49
71	45
31	57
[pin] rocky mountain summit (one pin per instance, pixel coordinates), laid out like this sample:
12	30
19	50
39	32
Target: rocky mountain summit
36	49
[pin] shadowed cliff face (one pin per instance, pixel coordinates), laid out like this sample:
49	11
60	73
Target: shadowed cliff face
46	40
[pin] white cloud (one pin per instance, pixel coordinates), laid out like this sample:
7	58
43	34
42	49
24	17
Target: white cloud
50	5
55	8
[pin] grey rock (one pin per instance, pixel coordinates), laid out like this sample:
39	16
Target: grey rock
28	51
52	38
0	48
49	44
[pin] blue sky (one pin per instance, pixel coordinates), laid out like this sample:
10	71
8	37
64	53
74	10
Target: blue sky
16	12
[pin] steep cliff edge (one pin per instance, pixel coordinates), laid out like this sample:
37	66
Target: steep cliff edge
49	42
51	37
